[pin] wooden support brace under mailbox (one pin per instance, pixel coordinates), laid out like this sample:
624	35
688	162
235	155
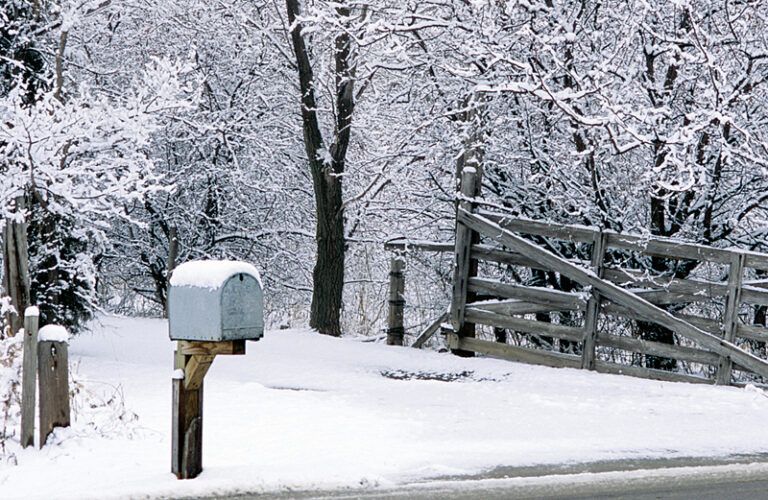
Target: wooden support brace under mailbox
192	361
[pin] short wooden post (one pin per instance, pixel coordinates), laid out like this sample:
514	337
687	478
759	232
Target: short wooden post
731	319
192	361
53	378
463	266
593	305
395	328
29	377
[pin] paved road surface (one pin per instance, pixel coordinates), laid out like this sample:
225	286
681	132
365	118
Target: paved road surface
743	477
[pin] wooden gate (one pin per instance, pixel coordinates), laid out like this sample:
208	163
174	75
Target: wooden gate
605	290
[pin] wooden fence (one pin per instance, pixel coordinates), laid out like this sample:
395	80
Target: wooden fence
707	316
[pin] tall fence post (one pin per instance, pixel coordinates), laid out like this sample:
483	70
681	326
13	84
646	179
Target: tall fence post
593	305
463	265
29	376
16	266
395	328
53	379
731	319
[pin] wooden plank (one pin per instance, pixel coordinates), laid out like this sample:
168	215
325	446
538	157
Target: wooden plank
649	245
429	331
593	306
53	380
395	328
482	317
580	234
756	260
227	347
29	377
463	265
403	245
637	278
657	349
731	319
668	297
514	353
669	248
502	256
754	295
479	252
615	293
752	332
194	371
539	295
649	373
708	325
514	307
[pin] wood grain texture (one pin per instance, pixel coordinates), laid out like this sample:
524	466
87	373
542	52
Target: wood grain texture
227	347
657	349
752	332
539	295
593	306
429	331
53	379
195	369
514	353
461	268
514	307
731	319
187	431
482	317
615	293
29	381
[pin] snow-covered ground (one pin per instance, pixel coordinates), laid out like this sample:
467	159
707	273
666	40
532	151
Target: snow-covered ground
303	411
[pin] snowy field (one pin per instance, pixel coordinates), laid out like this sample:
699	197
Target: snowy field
303	411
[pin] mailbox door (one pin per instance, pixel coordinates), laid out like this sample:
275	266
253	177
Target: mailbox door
242	308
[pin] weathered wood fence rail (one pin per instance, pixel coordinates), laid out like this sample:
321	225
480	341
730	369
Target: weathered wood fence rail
607	288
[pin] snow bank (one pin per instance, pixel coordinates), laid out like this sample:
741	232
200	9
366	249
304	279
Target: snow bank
302	411
53	333
210	273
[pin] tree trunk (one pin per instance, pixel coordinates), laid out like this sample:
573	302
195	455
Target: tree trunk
328	275
327	169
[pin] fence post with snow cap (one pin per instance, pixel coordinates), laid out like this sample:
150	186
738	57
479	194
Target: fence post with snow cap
29	376
213	308
53	379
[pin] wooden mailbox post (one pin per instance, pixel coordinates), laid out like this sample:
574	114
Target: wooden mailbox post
213	308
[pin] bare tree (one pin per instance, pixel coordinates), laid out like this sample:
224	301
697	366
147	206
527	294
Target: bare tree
326	164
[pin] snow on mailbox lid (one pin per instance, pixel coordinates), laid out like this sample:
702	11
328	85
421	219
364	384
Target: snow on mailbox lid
210	273
215	300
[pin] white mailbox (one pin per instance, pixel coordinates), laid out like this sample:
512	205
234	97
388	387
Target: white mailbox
215	300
